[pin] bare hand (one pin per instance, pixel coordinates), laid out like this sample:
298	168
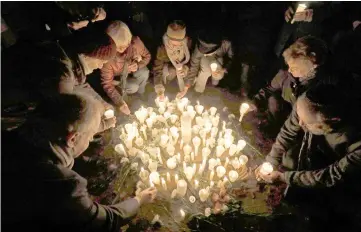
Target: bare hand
133	67
273	177
181	94
288	14
220	71
107	123
101	15
304	16
124	109
147	196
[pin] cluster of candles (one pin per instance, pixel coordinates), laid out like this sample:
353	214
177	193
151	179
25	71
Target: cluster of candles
205	149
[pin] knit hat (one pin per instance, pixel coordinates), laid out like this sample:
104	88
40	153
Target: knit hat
176	30
105	51
120	33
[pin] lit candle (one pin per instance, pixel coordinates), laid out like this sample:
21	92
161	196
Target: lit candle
196	183
181	188
203	194
214	67
196	129
215	121
176	178
194	168
203	135
187	149
225	180
232	149
243	110
168	177
199	121
184	166
154	177
235	163
161	110
213	111
211	164
240	145
214	132
163	140
119	148
266	168
164	184
199	108
206	152
151	184
139	142
243	159
181	144
149	122
227	143
172	163
174	131
189	173
170	149
220	141
211	184
207	212
226	163
153	165
173	118
144	157
192	156
129	143
211	175
220	171
109	114
159	156
219	150
233	175
196	143
178	158
144	174
182	213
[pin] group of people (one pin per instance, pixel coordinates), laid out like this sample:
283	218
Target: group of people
318	145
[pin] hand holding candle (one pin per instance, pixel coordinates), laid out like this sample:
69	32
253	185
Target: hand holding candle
243	110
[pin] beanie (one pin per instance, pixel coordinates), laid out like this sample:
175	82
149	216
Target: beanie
176	30
120	33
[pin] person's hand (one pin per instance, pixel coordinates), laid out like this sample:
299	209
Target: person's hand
107	123
288	14
161	97
273	177
77	25
147	196
303	16
219	72
181	94
100	15
124	109
133	67
181	73
355	24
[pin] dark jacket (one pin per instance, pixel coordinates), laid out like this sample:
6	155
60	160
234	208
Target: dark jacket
285	85
323	161
42	194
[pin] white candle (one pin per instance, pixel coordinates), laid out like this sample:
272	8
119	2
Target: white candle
203	195
192	156
199	121
109	114
139	142
181	144
243	159
149	122
144	157
196	183
226	163
186	127
164	184
151	184
227	143
199	108
220	171
214	132
168	177
153	165
211	184
235	163
233	175
220	141
206	152
196	143
214	67
182	213
189	173
232	149
203	135
243	110
182	187
119	148
187	149
266	168
184	166
172	163
173	118
215	121
161	110
194	168
170	149
211	175
129	143
154	176
159	157
176	178
240	145
144	174
225	180
163	140
178	158
212	163
219	150
213	111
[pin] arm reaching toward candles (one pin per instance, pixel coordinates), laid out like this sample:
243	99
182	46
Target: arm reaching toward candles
124	109
147	196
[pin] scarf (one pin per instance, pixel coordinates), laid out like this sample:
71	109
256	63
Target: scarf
177	53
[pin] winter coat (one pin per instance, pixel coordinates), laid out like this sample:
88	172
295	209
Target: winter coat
323	161
224	49
45	195
285	85
136	52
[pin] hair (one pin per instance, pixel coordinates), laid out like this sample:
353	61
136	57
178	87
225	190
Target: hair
78	11
93	43
309	48
327	100
211	34
60	115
